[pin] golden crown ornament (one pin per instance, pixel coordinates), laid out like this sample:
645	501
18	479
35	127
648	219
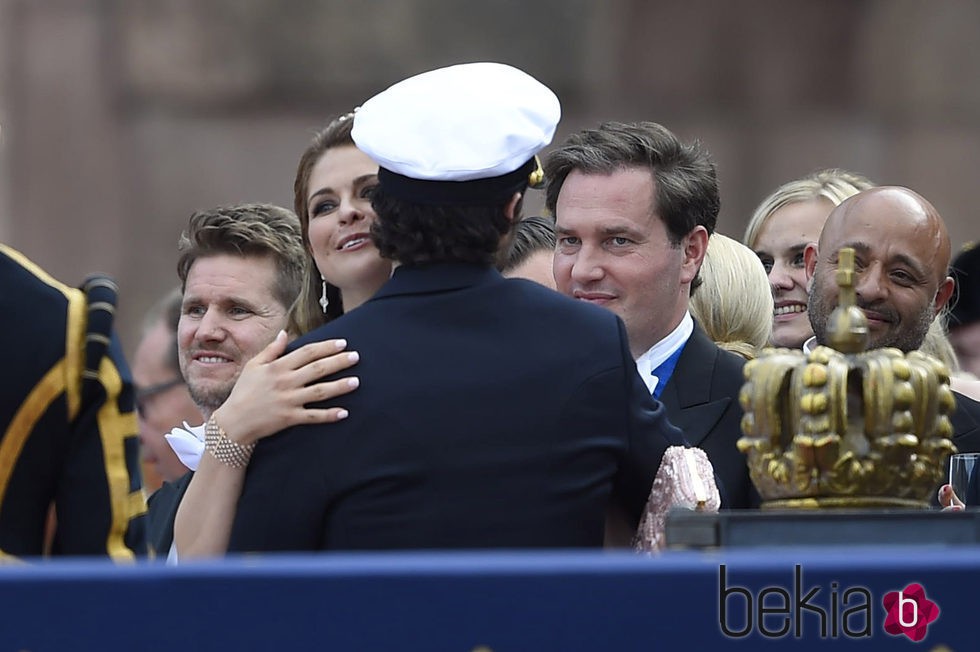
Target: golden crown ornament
841	427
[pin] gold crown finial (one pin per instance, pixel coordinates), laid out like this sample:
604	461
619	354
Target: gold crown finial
847	328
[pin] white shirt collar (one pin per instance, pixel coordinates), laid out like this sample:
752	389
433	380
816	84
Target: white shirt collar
662	350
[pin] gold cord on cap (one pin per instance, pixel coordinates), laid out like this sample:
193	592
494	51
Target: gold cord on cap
536	178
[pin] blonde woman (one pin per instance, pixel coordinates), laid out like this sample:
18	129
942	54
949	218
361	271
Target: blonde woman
781	227
733	304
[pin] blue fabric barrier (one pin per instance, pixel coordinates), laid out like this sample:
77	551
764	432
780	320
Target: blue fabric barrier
503	601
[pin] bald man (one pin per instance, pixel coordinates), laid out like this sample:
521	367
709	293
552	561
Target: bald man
901	256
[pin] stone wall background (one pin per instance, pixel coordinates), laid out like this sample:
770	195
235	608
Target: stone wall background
120	117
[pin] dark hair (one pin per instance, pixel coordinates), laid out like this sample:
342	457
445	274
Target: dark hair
686	188
531	234
248	230
418	234
965	270
307	313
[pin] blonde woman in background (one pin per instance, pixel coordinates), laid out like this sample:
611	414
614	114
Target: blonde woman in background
733	304
781	227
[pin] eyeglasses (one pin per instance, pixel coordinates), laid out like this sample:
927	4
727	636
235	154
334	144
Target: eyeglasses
143	394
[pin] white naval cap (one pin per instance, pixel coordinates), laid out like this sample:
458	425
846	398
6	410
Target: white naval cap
463	134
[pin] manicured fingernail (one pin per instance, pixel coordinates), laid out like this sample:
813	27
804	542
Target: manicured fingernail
353	382
353	356
342	414
340	344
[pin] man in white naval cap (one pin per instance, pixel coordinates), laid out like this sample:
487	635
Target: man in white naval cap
492	412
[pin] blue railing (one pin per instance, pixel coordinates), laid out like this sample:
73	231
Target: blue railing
499	601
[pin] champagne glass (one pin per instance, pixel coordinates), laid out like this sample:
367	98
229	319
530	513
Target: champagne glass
963	468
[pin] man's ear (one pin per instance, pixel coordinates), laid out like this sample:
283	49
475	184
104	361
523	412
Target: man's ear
810	260
510	210
944	292
695	245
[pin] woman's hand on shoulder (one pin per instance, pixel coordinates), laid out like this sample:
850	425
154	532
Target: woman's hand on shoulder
274	389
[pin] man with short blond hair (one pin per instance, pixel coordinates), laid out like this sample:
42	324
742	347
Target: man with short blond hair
241	269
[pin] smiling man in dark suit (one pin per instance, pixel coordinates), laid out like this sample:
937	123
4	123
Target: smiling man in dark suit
492	412
902	253
634	209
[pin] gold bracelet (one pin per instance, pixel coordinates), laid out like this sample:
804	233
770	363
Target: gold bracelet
226	451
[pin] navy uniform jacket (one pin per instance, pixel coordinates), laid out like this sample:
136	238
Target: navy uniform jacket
491	413
69	433
701	398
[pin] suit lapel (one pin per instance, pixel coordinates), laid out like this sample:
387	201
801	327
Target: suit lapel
687	395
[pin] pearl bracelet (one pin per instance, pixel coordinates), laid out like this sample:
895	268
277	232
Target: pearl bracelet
224	450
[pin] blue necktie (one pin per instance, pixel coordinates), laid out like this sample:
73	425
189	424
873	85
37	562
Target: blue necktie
665	369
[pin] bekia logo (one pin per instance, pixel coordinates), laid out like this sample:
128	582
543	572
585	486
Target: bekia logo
910	612
814	611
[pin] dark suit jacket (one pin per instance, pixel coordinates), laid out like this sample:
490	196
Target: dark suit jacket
966	433
491	413
161	512
701	398
966	424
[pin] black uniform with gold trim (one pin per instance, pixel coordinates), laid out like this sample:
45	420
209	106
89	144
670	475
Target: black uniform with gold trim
69	432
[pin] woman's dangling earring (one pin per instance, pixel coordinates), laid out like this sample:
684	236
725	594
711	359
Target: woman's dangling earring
324	301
